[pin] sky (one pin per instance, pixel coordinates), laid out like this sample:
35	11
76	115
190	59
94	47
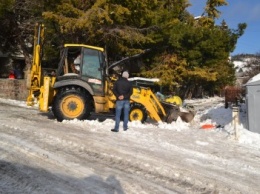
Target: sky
238	11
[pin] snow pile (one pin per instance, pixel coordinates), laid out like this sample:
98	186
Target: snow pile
254	79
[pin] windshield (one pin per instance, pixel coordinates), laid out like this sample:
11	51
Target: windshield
92	63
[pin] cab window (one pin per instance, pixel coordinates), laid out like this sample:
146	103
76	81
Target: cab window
92	60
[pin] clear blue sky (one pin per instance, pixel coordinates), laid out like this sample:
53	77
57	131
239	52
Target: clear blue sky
238	11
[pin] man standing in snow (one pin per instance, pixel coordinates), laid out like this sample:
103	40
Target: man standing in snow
123	89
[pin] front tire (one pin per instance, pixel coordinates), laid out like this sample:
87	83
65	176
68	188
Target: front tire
71	103
137	113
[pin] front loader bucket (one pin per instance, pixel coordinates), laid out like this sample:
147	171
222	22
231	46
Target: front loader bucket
173	112
187	116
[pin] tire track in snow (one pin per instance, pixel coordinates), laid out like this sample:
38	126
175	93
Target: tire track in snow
81	154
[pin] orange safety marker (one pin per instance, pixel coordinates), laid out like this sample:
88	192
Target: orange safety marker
207	126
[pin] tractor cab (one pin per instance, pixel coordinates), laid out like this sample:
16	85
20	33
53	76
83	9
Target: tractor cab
83	65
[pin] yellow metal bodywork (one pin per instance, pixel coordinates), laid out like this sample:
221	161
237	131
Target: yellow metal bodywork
34	78
146	97
47	93
174	100
86	46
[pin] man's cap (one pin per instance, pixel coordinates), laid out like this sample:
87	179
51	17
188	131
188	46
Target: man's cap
125	74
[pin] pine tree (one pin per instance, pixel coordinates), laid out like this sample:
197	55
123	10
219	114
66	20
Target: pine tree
202	49
121	26
185	53
18	18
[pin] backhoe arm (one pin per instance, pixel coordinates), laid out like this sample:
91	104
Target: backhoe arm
34	78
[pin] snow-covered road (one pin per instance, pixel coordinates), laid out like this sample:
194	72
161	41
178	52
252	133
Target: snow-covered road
40	155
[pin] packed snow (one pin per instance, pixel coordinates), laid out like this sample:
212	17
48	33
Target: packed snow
41	155
213	114
254	79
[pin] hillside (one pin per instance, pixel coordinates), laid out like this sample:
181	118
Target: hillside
247	66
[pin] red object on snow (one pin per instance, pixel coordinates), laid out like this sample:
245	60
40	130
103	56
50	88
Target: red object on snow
207	126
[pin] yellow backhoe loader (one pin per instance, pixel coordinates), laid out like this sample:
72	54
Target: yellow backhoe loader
76	92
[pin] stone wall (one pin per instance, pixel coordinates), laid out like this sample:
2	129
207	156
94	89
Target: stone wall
13	89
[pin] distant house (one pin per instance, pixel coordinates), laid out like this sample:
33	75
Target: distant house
10	63
244	67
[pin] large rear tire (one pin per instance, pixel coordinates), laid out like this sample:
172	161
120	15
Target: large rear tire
71	103
137	113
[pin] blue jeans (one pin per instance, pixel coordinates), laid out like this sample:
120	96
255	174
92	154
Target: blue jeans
120	105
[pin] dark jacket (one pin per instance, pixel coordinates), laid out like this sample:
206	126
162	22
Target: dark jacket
123	87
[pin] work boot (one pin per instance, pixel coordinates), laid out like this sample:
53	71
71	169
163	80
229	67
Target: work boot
114	130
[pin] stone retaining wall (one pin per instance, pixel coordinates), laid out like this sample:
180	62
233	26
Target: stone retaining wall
13	89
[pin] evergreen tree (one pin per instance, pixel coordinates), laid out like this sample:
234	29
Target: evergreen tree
202	48
18	18
186	53
121	26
